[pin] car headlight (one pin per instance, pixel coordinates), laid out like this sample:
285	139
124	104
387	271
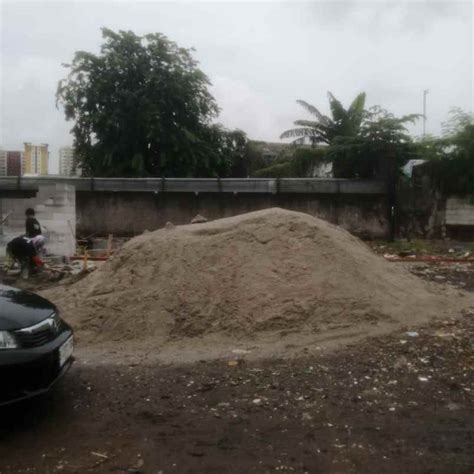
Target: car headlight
7	341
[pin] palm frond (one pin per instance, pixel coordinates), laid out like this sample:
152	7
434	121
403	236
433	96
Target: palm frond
313	110
298	132
358	104
337	110
411	118
307	123
325	129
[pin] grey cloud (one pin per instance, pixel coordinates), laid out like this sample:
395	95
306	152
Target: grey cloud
260	57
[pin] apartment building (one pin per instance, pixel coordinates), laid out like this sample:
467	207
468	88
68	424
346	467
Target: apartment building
36	159
67	166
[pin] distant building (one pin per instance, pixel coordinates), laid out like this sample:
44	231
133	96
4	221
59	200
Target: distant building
3	162
269	151
269	155
14	163
67	166
36	159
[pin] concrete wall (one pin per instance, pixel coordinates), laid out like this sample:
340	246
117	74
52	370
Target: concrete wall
420	209
459	215
424	211
55	207
130	213
459	211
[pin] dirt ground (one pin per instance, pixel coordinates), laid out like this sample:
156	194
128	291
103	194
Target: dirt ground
397	403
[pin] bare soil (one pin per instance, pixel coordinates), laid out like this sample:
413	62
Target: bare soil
343	403
399	403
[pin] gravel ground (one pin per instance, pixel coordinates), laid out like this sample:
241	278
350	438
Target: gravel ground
459	275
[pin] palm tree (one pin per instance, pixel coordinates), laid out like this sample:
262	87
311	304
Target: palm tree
345	123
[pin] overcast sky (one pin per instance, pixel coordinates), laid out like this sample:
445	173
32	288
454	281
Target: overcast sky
260	57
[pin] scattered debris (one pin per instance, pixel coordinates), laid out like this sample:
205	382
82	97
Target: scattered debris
240	351
456	274
100	455
198	219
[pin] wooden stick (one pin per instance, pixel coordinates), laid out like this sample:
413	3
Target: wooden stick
6	217
84	261
109	245
90	259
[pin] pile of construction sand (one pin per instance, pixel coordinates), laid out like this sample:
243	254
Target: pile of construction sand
270	270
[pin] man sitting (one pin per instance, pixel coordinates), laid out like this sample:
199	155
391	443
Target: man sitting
26	252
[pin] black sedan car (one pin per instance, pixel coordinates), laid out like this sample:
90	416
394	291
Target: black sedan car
35	345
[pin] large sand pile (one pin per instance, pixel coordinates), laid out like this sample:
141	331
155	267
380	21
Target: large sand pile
262	271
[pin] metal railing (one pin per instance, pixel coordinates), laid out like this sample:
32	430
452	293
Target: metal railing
201	185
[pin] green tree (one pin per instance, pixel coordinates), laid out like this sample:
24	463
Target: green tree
451	156
140	108
302	163
457	122
430	147
382	142
324	129
253	160
456	168
222	153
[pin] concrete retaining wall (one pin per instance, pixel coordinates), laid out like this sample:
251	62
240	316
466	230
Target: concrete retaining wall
459	211
130	213
459	214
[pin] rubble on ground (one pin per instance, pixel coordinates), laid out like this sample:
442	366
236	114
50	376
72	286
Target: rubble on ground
198	219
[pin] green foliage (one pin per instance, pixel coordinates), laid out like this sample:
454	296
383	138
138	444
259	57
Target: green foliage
250	159
142	108
277	170
362	143
383	140
456	169
458	120
253	157
324	129
452	157
218	153
430	148
300	164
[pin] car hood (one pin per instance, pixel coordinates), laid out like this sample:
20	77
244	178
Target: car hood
19	309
